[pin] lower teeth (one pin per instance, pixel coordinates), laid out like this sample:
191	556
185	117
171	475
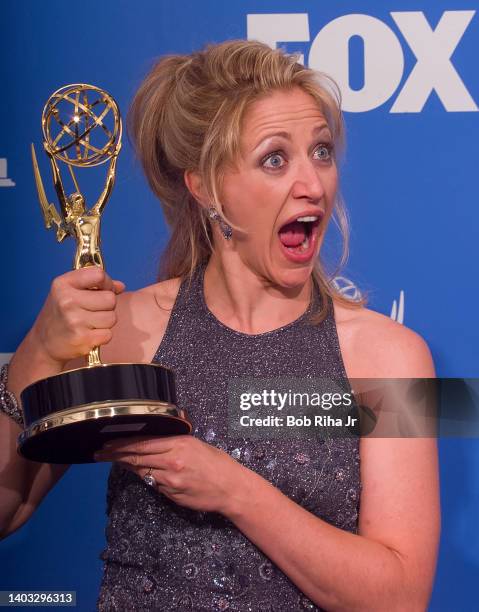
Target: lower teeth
301	247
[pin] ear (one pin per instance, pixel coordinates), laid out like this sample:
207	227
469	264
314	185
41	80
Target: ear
195	185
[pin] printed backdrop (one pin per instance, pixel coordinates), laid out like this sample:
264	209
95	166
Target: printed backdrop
408	74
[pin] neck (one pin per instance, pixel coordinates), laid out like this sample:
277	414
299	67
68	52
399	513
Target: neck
247	302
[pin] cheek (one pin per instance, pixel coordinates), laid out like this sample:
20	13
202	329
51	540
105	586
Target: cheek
332	183
253	205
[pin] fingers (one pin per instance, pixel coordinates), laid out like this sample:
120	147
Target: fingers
137	462
118	286
165	471
166	483
74	319
97	337
102	320
92	277
68	290
162	484
157	453
95	300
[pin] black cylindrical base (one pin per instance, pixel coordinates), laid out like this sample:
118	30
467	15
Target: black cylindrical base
71	415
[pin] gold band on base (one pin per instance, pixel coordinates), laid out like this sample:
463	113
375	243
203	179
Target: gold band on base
99	410
73	435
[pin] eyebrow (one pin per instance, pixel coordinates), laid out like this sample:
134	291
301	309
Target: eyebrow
287	135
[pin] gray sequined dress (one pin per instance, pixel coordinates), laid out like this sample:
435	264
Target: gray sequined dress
161	556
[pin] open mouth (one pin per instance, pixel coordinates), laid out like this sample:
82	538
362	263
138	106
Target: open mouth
298	238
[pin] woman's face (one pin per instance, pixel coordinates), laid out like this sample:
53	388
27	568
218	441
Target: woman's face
286	172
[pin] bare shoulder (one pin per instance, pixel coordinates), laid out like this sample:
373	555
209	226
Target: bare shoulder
375	346
142	319
160	295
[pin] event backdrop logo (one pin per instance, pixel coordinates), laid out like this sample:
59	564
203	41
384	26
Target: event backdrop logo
382	54
346	287
4	180
397	310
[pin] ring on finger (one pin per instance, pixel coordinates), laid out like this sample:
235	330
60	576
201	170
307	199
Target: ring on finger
149	479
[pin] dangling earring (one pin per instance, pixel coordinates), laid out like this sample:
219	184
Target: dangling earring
226	229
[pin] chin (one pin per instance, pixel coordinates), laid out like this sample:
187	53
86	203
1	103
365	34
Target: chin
294	278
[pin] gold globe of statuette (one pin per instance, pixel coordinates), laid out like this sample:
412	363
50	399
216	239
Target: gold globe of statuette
81	125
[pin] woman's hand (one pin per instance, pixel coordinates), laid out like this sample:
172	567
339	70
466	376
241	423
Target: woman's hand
74	319
189	471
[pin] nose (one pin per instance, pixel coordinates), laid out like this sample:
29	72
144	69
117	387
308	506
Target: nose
308	182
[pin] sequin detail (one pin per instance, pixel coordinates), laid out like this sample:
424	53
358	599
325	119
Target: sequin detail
266	570
161	556
301	458
190	570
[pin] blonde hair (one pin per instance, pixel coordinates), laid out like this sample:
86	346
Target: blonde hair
187	115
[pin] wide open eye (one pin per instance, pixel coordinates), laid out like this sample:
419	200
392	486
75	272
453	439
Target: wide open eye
273	160
324	152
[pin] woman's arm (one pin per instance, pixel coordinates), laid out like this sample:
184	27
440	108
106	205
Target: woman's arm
47	349
390	564
23	483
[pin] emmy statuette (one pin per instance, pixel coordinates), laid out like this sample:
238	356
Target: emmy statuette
72	414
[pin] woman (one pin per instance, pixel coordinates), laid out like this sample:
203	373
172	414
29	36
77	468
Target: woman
238	141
